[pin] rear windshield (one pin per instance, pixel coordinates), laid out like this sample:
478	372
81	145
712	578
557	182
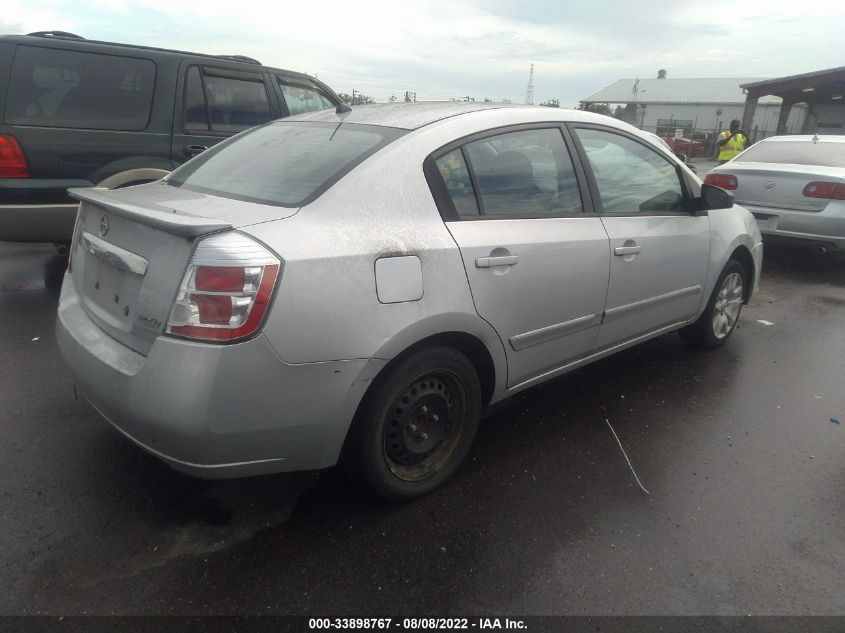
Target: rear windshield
285	163
796	153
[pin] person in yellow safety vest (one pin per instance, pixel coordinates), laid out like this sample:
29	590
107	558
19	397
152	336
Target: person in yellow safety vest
731	143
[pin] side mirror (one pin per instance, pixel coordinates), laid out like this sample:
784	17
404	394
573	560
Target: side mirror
713	197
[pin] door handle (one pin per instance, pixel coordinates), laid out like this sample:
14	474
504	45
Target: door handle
193	150
490	262
621	251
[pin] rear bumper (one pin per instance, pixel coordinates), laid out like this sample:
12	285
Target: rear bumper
825	227
215	411
37	222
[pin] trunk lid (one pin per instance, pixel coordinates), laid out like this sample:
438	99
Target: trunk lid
779	186
131	248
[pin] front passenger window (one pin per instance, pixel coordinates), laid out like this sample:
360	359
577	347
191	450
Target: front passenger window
630	176
300	99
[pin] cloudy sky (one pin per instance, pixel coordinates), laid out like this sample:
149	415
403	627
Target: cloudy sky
482	48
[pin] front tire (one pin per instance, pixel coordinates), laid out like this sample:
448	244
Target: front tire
415	429
719	319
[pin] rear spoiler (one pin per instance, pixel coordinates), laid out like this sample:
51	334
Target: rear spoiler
182	225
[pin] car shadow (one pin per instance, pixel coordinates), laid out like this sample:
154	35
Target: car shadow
801	264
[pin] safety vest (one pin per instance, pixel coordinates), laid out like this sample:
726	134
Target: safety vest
733	147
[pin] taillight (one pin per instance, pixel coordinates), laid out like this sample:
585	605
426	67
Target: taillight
725	181
12	159
825	189
226	290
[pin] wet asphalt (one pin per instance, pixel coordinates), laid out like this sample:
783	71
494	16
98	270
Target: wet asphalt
744	467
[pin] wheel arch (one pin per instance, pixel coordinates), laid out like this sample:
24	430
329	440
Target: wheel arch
468	344
743	256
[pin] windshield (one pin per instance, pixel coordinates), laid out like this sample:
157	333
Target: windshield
796	153
285	163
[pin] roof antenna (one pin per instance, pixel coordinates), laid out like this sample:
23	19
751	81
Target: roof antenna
341	108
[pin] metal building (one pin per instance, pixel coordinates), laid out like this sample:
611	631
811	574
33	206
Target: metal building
666	105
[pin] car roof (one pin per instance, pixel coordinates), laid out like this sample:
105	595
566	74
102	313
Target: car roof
407	116
415	115
806	138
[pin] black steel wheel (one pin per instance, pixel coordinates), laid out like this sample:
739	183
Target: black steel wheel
418	424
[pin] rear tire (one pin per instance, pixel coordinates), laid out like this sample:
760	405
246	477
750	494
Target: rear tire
720	316
417	426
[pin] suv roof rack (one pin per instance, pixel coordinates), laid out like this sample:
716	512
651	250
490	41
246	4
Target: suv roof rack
63	34
240	58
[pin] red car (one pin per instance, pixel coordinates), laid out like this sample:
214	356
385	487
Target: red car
684	148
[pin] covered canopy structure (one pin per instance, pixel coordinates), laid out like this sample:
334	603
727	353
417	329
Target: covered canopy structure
822	91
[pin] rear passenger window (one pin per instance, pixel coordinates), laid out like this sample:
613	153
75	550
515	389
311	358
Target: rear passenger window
58	88
454	172
525	173
300	99
236	104
218	101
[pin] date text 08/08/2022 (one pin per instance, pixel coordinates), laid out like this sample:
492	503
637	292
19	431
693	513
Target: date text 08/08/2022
415	624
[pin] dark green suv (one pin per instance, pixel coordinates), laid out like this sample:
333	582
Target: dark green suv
81	113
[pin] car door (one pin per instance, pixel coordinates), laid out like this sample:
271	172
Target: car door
213	103
537	266
660	250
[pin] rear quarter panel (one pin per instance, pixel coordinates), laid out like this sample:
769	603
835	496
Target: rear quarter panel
326	307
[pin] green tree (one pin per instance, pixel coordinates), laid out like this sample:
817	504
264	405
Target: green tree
598	108
551	103
358	99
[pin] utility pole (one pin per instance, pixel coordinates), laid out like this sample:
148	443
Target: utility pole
529	91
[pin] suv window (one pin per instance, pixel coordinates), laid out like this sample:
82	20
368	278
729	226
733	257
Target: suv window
59	88
630	176
525	173
232	103
301	99
286	164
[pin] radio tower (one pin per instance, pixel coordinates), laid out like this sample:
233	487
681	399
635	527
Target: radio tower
529	91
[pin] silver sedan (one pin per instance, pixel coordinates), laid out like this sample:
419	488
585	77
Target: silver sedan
360	285
794	186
